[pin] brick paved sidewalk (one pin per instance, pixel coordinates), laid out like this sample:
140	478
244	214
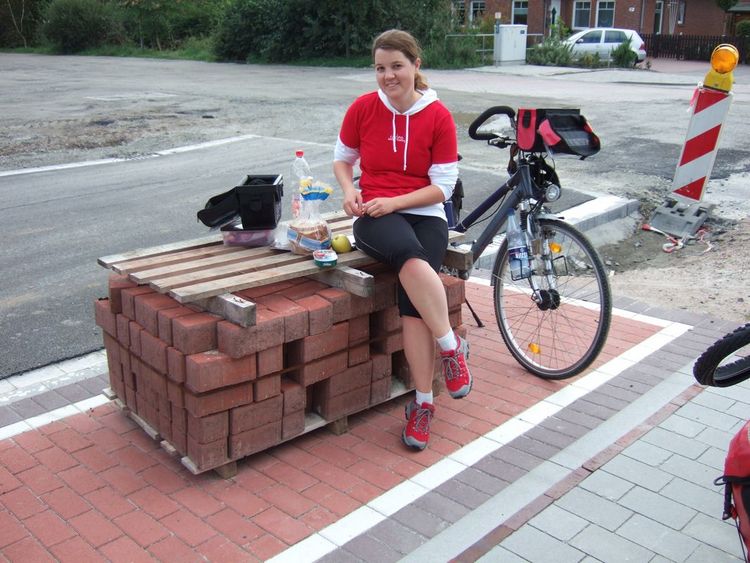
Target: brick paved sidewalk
93	486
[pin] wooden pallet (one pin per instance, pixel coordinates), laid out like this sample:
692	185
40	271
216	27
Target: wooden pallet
207	272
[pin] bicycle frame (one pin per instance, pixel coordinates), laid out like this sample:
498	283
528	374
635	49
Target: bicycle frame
519	187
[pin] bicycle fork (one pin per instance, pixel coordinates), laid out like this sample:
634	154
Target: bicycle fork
539	245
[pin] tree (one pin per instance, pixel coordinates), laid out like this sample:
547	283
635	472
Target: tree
18	23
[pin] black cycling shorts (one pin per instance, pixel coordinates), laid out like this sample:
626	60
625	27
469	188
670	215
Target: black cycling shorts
395	238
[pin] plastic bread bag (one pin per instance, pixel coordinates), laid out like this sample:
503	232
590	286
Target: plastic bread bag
310	232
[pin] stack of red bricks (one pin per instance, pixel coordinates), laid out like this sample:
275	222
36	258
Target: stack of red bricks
218	392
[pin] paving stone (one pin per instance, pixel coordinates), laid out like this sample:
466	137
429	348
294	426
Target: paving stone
691	470
442	507
532	447
397	536
74	392
714	457
27	408
95	384
683	426
8	416
482	481
367	548
594	508
607	546
709	501
647	453
668	512
420	521
713	401
499	468
499	554
50	400
545	433
462	493
520	458
715	532
707	416
675	443
558	523
534	545
340	556
707	553
658	538
638	473
606	485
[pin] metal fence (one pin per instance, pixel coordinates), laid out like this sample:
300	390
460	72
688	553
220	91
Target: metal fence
693	47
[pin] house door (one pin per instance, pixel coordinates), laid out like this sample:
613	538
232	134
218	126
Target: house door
658	11
554	11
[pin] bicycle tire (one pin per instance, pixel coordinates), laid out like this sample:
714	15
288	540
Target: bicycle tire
555	341
707	370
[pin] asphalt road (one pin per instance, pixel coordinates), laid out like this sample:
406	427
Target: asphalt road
55	220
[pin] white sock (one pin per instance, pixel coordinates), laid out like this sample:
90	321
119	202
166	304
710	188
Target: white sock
448	343
424	398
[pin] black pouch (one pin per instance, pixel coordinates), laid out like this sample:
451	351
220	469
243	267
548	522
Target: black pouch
558	131
257	201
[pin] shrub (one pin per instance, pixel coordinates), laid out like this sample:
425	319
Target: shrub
743	28
552	51
623	56
74	25
590	60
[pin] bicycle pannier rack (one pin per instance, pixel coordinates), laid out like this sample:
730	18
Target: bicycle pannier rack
557	131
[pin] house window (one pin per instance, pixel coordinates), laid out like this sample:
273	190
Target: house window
581	14
605	14
477	11
458	8
520	12
658	14
681	12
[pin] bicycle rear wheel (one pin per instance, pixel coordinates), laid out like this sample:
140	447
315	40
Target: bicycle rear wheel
558	330
707	369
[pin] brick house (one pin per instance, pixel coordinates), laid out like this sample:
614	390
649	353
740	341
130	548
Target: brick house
688	17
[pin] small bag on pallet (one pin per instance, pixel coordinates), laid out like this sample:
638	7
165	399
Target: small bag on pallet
736	481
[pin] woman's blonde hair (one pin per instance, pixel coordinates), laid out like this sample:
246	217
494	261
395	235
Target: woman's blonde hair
403	41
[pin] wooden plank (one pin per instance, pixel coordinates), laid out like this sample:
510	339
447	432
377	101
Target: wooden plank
459	258
107	261
354	281
216	249
281	259
231	284
202	263
231	307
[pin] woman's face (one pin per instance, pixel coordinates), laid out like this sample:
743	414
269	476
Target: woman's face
395	73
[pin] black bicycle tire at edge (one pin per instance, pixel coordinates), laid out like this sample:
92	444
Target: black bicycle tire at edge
706	369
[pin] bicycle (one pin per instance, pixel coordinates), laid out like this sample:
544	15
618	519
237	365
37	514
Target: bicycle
555	317
711	367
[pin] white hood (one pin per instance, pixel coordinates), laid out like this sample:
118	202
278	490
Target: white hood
428	96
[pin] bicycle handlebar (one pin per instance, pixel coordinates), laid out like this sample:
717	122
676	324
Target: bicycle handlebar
483	117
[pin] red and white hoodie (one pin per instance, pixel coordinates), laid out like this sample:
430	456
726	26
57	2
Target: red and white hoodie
400	152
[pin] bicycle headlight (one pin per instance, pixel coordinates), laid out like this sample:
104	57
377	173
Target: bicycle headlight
552	192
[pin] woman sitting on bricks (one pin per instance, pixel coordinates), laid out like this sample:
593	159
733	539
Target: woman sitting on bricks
405	140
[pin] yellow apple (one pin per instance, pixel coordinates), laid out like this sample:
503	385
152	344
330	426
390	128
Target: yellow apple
341	244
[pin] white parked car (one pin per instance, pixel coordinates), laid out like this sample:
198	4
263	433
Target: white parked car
602	40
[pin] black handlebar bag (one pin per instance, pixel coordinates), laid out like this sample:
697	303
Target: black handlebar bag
557	131
257	201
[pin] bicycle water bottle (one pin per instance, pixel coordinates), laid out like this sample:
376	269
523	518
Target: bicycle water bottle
518	252
300	171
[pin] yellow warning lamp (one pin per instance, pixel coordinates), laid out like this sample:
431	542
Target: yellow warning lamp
723	60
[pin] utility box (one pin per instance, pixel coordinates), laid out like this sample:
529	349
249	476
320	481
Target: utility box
510	44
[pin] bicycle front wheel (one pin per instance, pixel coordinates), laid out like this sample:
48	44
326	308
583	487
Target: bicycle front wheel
556	321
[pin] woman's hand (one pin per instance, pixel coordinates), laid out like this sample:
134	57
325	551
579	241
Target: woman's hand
380	206
353	203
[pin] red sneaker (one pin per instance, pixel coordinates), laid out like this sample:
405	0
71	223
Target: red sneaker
417	431
456	372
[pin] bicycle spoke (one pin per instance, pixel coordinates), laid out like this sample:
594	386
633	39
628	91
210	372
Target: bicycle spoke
549	339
